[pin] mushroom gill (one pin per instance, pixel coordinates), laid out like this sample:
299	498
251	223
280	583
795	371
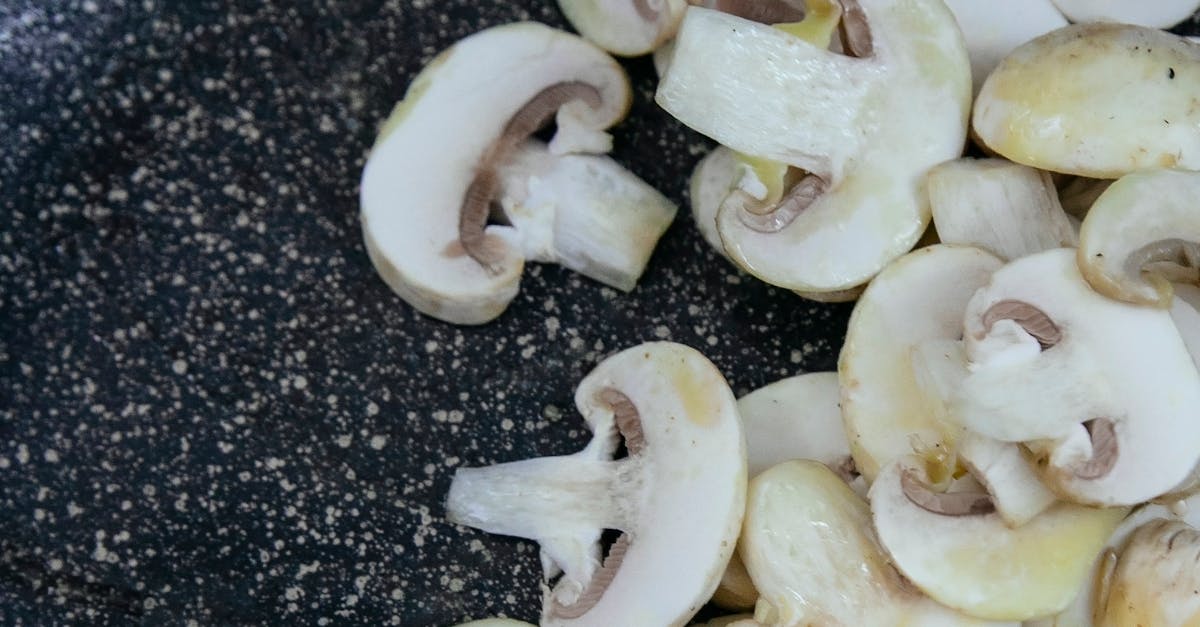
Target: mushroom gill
1174	253
855	30
1034	321
1104	449
761	11
646	11
944	503
772	218
477	200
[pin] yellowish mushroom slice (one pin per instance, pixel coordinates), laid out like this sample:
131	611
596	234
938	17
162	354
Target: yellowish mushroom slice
1096	100
625	27
1143	233
687	453
1156	14
1155	580
994	29
1007	209
1102	392
919	297
955	548
425	200
863	152
809	546
583	212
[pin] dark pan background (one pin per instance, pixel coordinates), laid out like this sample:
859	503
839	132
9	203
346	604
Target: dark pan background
211	409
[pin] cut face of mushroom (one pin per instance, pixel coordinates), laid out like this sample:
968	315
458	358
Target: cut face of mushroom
993	29
809	547
625	27
1143	233
425	200
1155	579
863	151
1158	14
1097	100
970	560
919	297
583	212
1103	392
686	454
1007	209
715	175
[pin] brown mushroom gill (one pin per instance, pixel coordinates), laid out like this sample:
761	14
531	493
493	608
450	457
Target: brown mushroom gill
629	424
944	503
855	30
1104	449
645	11
773	218
761	11
1034	321
477	200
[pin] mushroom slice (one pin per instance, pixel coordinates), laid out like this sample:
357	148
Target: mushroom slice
1103	392
625	27
583	212
1097	100
1157	14
712	180
1007	209
1143	233
736	591
734	620
919	297
993	29
425	200
809	547
970	560
496	622
1155	579
769	94
686	454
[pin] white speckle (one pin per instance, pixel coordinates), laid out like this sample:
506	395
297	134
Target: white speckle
179	366
378	442
51	456
293	593
274	463
225	447
56	564
372	409
73	510
300	382
431	346
22	454
797	357
4	462
308	569
506	424
90	7
662	332
345	440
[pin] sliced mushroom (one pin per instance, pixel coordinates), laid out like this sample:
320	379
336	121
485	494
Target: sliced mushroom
712	180
1007	209
1143	233
994	29
735	620
1156	14
809	547
971	560
425	200
1155	580
736	591
770	94
686	454
583	212
626	27
496	622
1097	100
1103	392
919	297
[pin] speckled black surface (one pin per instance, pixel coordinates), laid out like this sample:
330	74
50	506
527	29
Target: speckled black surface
211	409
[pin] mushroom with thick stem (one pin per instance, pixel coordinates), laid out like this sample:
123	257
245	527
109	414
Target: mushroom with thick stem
962	554
687	453
625	27
863	151
425	201
1154	579
1096	100
1156	14
1102	392
1142	234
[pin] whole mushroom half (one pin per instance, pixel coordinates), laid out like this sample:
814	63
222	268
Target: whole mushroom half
1141	234
1096	100
625	27
1104	393
677	499
429	182
862	151
1155	579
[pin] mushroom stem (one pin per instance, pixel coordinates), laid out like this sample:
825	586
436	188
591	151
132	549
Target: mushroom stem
944	503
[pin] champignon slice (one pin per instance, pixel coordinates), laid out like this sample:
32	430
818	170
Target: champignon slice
974	562
767	93
496	622
425	200
1156	14
583	212
686	454
919	297
994	29
1096	100
761	11
808	544
1103	392
1140	227
1155	580
625	27
1007	209
713	178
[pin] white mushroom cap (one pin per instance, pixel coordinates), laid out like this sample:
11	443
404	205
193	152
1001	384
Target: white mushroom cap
994	29
1154	14
678	498
424	199
767	93
625	27
919	297
1104	392
1143	219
